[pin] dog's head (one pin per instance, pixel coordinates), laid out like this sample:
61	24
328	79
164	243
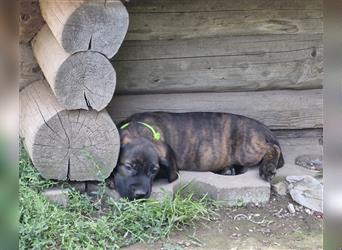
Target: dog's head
140	161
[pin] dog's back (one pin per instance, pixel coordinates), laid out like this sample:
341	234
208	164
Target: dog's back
207	141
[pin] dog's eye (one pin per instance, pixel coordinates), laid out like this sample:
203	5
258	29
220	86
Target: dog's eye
129	167
154	170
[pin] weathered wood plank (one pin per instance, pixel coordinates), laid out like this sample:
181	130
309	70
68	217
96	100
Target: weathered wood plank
278	109
299	133
152	20
232	63
66	145
167	6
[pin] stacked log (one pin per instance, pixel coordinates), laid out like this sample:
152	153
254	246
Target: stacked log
79	25
63	122
28	66
66	145
30	22
80	81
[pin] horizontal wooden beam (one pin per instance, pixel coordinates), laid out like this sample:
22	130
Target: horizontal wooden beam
167	6
231	63
163	20
277	109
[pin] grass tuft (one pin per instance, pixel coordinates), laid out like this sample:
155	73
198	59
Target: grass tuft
83	225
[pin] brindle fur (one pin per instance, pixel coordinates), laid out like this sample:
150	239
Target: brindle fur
200	141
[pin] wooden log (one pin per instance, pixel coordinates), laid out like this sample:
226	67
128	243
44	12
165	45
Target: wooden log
284	109
232	63
78	25
66	145
185	6
30	19
80	81
29	70
165	19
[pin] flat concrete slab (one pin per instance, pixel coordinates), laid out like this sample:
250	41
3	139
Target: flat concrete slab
248	187
294	147
232	190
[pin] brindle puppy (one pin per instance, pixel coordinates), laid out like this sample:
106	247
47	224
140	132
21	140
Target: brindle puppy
217	142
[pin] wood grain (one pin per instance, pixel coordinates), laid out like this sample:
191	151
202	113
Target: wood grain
80	81
30	19
232	63
80	25
66	145
29	70
284	109
163	20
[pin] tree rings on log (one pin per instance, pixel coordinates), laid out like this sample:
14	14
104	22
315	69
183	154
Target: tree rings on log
80	25
83	80
66	145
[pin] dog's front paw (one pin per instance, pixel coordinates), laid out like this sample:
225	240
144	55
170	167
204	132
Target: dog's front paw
267	172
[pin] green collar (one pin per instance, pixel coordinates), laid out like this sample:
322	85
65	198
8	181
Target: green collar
155	134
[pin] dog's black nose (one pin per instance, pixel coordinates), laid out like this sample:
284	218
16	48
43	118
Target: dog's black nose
139	194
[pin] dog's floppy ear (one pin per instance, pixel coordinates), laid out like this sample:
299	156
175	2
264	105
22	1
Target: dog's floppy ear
167	161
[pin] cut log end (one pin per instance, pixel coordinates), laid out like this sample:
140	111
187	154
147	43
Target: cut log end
73	145
86	80
97	27
76	145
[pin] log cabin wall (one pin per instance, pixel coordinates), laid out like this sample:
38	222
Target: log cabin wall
199	55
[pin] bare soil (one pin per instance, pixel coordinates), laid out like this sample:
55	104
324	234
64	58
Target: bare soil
255	226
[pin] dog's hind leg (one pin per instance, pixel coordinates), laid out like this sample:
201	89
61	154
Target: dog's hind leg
233	170
270	162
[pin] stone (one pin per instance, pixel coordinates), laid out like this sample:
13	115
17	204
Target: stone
307	191
291	208
96	188
232	190
57	195
308	211
112	193
162	188
79	186
280	188
310	161
92	187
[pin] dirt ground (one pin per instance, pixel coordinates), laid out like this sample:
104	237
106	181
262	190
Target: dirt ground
268	226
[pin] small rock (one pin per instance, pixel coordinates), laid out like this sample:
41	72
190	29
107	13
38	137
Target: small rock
113	194
80	186
308	211
280	188
187	244
313	162
57	196
291	208
306	191
92	187
250	230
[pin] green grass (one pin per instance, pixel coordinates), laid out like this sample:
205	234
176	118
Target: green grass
84	224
